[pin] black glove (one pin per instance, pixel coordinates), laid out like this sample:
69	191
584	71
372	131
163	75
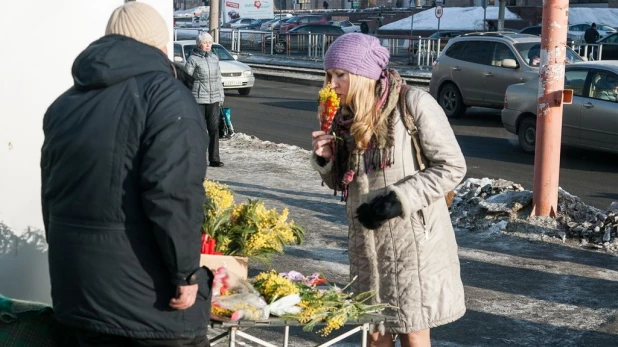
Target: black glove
377	211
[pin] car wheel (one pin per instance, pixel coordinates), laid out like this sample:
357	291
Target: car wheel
244	91
451	101
526	133
279	47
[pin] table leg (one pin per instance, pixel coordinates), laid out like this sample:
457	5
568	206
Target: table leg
232	337
364	332
286	336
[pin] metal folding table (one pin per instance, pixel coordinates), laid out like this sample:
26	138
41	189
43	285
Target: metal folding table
233	329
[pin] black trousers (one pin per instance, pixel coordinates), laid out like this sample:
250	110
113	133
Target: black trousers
87	339
212	115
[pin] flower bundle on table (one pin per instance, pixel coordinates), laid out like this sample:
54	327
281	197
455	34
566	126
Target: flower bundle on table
294	296
248	229
328	104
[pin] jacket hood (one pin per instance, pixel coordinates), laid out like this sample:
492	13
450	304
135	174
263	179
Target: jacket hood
115	58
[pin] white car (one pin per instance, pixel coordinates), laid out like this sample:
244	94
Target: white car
577	31
235	75
346	25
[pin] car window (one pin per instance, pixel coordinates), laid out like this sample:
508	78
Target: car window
301	30
605	28
222	53
603	86
575	79
478	52
610	39
219	51
502	52
527	51
455	50
177	51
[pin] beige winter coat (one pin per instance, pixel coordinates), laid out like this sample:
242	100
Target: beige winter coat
411	261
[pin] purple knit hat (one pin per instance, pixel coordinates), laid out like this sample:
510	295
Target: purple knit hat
358	54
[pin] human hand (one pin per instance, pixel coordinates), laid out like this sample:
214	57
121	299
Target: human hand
185	297
377	211
321	143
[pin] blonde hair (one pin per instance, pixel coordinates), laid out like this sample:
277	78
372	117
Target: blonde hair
362	101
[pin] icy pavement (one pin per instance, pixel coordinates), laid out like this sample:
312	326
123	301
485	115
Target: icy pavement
526	284
525	287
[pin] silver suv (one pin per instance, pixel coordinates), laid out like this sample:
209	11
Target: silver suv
475	69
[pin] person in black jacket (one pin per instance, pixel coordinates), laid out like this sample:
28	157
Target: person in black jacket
122	167
591	35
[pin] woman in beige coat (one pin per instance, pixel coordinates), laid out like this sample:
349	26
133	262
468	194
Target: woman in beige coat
401	241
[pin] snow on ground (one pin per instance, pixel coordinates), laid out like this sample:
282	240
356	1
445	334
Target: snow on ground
454	18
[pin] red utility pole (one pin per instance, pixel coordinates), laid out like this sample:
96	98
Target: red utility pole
549	109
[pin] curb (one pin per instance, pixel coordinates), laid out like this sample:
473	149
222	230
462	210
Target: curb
296	80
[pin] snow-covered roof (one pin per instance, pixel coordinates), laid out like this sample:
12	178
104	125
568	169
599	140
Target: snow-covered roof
453	18
471	18
608	16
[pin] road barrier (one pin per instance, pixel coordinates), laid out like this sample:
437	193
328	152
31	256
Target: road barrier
416	51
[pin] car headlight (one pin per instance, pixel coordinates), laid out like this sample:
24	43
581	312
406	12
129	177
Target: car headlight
247	73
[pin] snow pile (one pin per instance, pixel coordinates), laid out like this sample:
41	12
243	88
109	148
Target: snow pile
453	18
500	206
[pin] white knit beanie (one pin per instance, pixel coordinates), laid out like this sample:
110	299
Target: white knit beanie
139	21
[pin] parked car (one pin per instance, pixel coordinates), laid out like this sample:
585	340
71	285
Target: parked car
297	37
301	20
532	30
254	25
237	22
475	69
609	50
346	25
186	22
590	121
235	75
577	31
444	36
572	40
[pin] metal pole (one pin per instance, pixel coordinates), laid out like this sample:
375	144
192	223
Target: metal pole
501	13
213	23
549	109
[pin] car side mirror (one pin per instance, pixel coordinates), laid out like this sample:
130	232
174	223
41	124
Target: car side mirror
178	59
235	56
509	63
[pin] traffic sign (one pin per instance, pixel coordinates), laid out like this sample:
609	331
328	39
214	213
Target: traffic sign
439	11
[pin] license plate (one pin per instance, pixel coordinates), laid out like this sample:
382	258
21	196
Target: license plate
233	83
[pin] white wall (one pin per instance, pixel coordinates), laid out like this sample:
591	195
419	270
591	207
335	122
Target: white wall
39	42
